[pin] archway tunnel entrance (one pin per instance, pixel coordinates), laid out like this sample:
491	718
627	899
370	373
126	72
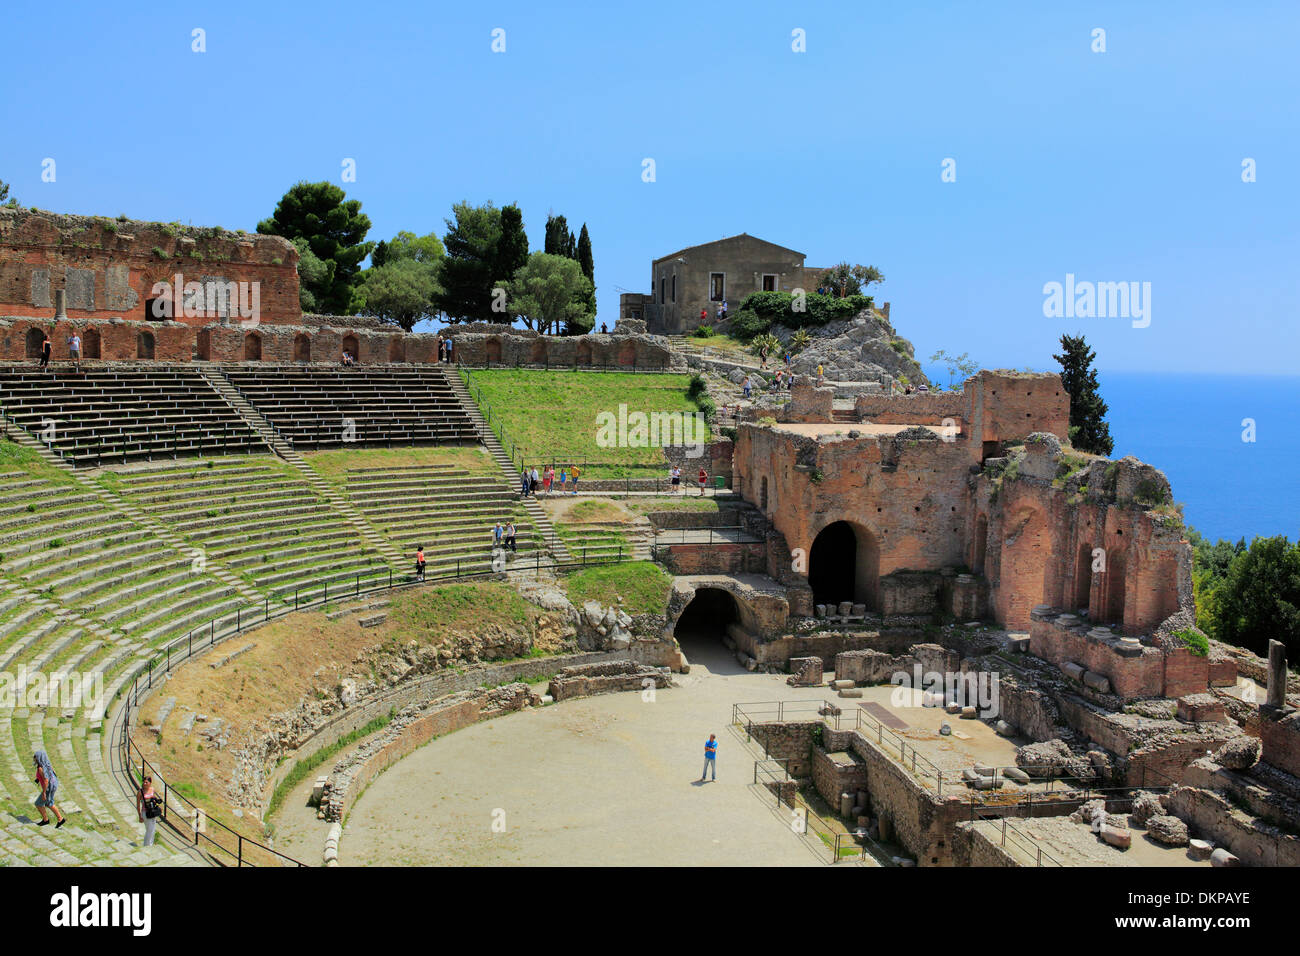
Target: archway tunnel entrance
844	565
702	626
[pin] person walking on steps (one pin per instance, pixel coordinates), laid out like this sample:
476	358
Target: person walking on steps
46	348
149	807
710	758
48	781
419	562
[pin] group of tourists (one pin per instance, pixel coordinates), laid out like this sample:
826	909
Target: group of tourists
720	314
148	805
675	480
445	347
531	483
47	351
503	536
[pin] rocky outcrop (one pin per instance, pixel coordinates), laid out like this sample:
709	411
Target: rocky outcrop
863	348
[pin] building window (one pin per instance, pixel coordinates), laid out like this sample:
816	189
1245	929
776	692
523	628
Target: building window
769	282
674	286
717	286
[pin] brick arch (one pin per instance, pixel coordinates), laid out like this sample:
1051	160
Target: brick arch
351	345
397	349
203	345
252	347
492	351
844	562
1115	588
90	344
537	354
627	353
583	355
144	345
302	347
33	341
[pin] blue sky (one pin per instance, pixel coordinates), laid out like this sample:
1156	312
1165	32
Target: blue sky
1115	166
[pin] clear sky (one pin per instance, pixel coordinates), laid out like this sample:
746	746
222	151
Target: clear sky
1117	166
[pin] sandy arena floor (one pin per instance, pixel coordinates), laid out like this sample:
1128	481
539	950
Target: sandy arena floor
608	780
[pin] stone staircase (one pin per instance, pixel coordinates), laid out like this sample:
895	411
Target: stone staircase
536	516
24	843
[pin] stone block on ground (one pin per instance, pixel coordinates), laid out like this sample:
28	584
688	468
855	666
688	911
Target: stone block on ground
1168	830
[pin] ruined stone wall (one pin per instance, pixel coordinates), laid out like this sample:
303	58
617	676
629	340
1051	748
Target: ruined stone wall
790	742
971	846
1214	817
108	267
832	777
718	558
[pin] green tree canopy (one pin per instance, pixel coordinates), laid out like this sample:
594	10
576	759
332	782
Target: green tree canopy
587	264
845	280
512	246
313	273
559	240
1088	429
1259	597
402	291
407	245
335	229
550	294
468	270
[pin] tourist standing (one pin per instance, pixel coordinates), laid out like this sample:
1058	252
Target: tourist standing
819	372
48	781
564	476
704	316
533	482
74	349
149	807
762	357
723	314
419	561
548	478
573	479
497	533
710	758
523	481
449	348
747	387
675	478
510	537
703	479
46	348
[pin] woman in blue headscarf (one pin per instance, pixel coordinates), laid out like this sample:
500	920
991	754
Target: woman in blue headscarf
48	782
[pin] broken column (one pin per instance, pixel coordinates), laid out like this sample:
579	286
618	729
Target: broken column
1276	675
60	304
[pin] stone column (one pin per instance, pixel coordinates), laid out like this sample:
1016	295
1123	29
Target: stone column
1276	674
60	305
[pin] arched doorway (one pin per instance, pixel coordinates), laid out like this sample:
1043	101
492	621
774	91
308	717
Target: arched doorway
627	354
252	347
144	345
1023	574
352	347
302	347
397	349
35	339
584	353
90	344
844	565
703	624
538	354
204	345
493	351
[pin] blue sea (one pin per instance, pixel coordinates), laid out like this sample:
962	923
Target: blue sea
1190	427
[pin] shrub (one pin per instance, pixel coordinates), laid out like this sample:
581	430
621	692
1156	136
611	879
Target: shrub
761	309
703	332
1194	641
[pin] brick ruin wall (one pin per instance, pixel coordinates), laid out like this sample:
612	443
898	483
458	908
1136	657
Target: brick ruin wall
108	269
919	503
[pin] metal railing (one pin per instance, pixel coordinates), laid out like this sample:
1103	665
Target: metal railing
773	776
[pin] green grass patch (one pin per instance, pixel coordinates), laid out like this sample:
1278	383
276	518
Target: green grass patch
303	767
552	416
643	586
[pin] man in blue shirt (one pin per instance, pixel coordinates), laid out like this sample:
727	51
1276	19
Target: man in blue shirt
710	758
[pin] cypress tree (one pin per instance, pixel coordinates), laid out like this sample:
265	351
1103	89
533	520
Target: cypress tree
1088	429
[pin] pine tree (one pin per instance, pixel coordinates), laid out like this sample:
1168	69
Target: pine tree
335	228
1088	429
